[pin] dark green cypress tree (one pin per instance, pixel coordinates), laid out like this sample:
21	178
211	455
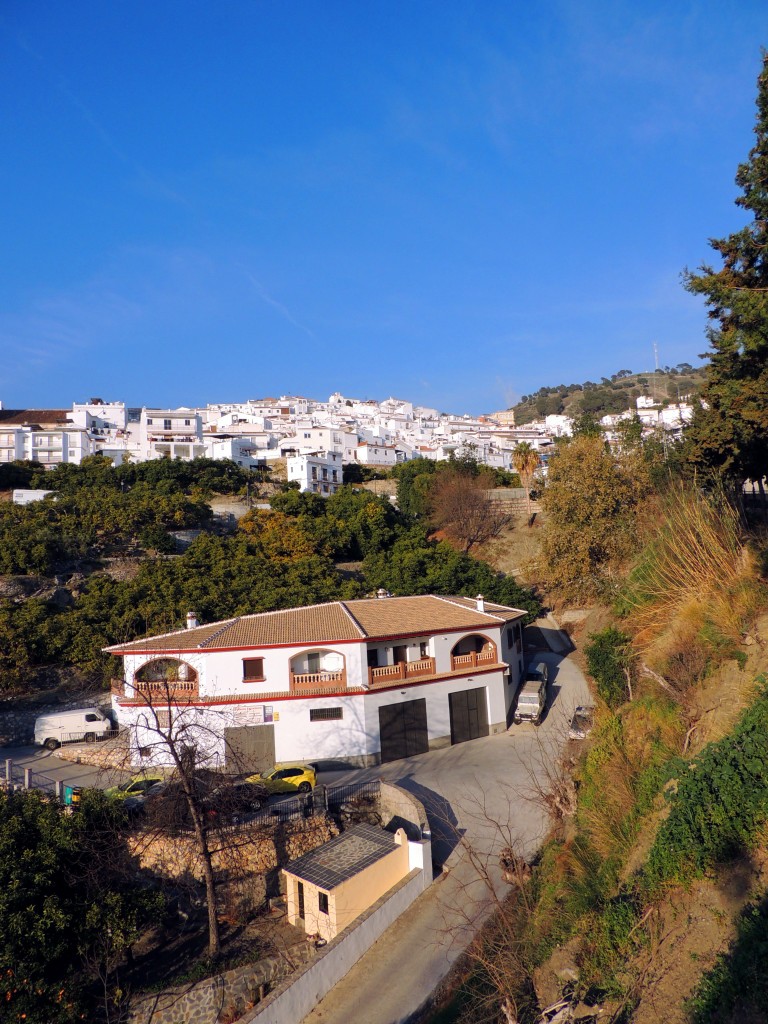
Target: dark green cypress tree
729	433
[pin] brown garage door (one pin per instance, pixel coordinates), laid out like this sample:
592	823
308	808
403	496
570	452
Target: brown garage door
403	729
249	748
469	714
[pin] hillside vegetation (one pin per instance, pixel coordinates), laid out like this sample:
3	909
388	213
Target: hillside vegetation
613	394
63	600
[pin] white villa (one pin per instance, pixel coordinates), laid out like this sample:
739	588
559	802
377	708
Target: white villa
358	682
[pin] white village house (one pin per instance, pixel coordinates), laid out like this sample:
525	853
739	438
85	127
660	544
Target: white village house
359	682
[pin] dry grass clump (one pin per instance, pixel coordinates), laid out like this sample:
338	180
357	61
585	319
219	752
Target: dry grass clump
695	589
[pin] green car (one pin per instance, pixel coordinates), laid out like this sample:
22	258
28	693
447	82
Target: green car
287	778
139	785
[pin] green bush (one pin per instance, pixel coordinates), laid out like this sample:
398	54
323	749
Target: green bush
736	988
608	661
720	804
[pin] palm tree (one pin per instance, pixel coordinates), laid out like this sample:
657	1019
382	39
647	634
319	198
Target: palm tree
526	461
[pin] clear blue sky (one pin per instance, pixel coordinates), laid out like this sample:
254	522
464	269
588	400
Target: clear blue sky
445	200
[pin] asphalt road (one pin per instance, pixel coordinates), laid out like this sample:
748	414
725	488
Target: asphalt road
480	796
46	763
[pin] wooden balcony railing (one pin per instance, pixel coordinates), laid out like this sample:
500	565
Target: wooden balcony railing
403	670
473	659
156	691
302	682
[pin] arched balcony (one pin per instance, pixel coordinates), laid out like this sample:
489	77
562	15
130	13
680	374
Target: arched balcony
165	679
316	670
473	651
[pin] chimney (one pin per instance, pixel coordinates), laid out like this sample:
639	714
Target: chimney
480	603
192	622
382	593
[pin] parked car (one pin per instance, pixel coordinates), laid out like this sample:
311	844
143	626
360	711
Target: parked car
165	804
59	727
231	801
139	785
582	722
287	778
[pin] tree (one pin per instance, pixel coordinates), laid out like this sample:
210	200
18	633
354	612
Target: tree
170	731
66	887
526	461
586	425
591	501
729	433
461	506
413	482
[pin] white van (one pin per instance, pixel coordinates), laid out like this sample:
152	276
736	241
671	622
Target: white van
70	726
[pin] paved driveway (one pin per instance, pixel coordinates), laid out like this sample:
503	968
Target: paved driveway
479	796
48	764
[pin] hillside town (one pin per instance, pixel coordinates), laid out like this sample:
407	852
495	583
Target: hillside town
315	438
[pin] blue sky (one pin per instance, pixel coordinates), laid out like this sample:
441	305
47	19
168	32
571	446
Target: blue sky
449	201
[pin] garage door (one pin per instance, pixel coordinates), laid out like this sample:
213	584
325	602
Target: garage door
469	714
249	748
403	729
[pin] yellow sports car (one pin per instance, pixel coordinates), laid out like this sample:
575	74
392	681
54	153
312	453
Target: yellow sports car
287	778
139	785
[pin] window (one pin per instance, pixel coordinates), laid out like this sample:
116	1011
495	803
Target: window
253	670
149	423
166	424
301	900
93	718
335	475
187	423
423	649
322	902
313	662
325	714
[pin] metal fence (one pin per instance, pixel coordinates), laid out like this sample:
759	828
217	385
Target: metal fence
16	776
322	800
335	796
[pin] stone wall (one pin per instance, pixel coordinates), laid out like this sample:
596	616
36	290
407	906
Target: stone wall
248	856
218	1000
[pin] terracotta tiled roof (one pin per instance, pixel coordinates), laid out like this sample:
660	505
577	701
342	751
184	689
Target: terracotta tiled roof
372	619
500	611
398	616
313	624
27	417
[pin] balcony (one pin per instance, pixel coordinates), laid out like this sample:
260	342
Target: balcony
463	662
160	691
312	682
404	670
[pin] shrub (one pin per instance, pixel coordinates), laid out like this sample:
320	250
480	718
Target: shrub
609	660
720	804
695	588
